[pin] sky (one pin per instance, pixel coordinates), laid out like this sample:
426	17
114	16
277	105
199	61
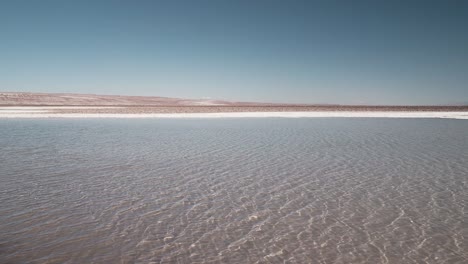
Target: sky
325	52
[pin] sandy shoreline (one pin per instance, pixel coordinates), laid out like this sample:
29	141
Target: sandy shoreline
67	105
141	112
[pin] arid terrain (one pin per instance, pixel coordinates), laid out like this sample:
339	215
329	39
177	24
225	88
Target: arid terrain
108	104
70	99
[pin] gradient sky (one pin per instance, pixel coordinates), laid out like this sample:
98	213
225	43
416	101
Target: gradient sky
347	52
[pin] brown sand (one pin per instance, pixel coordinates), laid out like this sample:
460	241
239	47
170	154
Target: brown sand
150	104
278	108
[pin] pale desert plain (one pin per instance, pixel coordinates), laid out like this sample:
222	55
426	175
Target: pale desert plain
44	105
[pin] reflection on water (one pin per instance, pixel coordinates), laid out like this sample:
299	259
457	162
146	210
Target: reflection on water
234	191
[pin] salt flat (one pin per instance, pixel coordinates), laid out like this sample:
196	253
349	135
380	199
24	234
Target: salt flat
57	112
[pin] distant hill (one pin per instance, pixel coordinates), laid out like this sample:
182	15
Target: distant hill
70	99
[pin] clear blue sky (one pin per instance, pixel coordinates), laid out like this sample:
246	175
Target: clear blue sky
348	52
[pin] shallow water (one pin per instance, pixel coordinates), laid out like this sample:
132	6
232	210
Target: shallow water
267	190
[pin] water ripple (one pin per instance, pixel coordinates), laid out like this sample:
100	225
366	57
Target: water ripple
234	191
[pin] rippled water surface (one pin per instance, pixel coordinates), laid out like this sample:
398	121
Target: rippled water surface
234	191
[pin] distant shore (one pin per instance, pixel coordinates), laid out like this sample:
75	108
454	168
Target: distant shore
142	109
50	105
155	104
231	111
